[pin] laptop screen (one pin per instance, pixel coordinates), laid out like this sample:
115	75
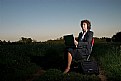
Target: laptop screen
69	40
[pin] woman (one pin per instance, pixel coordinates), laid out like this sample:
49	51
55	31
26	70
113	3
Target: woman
85	36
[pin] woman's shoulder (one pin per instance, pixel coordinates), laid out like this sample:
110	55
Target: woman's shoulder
90	32
80	33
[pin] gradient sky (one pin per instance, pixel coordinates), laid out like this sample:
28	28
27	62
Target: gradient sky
50	19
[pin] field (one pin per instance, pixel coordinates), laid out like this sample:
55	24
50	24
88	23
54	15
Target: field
108	56
18	62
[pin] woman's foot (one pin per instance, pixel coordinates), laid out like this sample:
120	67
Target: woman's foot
66	70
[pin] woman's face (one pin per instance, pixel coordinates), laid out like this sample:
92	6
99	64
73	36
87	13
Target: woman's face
84	27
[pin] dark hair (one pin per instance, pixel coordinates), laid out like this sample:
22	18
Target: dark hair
88	24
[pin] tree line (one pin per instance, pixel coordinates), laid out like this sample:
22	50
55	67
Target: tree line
23	40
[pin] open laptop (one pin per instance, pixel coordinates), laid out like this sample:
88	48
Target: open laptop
69	41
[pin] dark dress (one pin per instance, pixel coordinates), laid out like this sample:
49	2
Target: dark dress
87	38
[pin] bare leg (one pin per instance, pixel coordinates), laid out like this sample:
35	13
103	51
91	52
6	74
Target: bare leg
69	63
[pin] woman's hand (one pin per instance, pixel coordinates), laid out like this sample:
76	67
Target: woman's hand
75	42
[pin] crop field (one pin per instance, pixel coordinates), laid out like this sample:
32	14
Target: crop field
18	62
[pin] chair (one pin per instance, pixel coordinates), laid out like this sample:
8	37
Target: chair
85	48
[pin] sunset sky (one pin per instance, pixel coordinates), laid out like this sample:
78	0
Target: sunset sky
42	20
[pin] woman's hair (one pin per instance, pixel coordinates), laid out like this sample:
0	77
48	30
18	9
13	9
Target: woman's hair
88	24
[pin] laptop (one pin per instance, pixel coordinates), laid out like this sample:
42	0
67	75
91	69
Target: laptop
69	41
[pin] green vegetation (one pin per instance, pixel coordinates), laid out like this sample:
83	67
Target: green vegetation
19	60
108	56
17	63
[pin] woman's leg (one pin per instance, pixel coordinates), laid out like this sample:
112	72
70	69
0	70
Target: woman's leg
69	62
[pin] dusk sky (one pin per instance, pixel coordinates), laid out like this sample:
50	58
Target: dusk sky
42	20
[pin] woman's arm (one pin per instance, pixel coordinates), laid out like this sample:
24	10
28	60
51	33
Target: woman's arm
90	36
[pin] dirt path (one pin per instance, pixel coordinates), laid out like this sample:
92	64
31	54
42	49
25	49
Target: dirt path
101	72
38	73
102	75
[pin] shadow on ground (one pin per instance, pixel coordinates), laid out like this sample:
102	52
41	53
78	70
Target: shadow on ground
47	62
53	58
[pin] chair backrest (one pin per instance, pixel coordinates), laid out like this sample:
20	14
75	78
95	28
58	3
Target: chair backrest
93	41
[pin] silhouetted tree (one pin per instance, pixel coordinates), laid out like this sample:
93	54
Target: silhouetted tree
114	38
4	42
29	40
117	37
25	40
0	41
9	42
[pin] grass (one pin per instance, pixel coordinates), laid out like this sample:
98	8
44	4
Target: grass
16	63
109	58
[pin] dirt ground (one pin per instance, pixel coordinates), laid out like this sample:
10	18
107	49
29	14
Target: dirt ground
102	75
39	72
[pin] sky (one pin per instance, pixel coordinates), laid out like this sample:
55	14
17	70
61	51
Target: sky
43	20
